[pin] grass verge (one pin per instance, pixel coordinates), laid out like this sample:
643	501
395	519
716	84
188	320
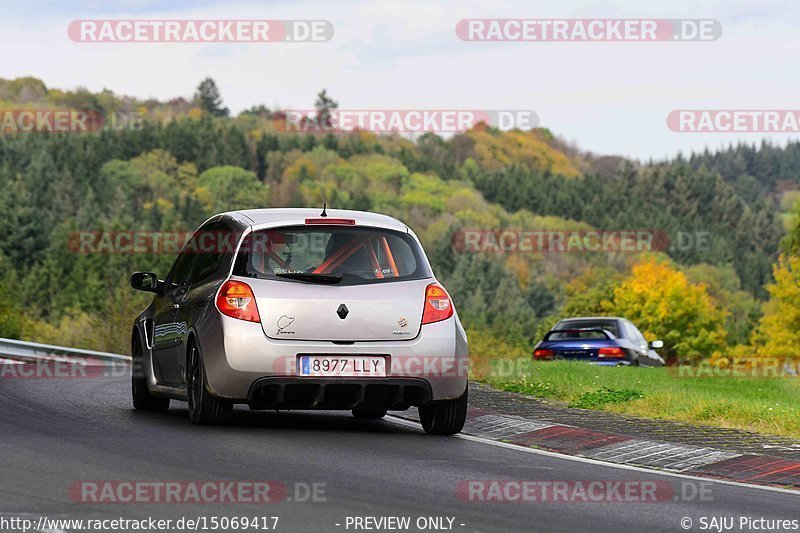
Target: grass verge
765	405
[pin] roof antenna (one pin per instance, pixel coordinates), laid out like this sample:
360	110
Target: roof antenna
324	207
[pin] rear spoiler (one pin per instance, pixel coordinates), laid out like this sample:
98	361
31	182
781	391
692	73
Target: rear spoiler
605	332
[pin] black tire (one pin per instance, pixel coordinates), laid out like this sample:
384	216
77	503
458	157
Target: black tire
445	417
142	400
369	414
204	409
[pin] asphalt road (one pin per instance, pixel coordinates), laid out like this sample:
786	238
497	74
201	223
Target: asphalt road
56	432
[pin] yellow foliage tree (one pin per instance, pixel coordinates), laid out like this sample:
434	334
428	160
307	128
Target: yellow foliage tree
496	150
665	305
778	332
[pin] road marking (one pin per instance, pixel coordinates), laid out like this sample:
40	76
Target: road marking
596	462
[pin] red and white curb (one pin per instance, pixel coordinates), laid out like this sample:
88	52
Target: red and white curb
626	450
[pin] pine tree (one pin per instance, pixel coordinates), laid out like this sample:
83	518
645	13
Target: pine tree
209	99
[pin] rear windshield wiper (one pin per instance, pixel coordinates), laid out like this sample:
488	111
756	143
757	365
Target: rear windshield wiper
325	279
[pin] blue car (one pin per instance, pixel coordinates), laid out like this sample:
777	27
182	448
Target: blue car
598	340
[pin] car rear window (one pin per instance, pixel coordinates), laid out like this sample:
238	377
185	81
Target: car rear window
357	255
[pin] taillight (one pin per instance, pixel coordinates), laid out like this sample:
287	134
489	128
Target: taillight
437	304
610	352
543	354
235	299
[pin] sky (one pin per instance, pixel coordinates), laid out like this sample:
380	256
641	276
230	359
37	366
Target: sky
607	98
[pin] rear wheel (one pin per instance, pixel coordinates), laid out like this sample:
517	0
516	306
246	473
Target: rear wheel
445	417
142	400
373	414
204	409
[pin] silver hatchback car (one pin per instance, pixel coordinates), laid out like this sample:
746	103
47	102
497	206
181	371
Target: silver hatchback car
297	309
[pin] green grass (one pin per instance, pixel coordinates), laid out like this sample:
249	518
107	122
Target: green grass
765	405
604	396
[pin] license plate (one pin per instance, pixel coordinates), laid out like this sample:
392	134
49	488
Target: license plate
349	366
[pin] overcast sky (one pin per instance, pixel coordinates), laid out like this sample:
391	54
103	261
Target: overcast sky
610	98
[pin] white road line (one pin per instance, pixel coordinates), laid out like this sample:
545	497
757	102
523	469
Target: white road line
588	460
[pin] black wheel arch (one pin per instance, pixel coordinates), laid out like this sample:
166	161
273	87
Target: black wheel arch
191	339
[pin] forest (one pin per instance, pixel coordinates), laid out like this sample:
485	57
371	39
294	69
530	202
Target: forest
727	283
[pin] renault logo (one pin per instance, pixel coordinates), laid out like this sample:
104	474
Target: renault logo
342	311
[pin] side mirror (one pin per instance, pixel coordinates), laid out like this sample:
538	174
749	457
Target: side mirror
657	344
146	281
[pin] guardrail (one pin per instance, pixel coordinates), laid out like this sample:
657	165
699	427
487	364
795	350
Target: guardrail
16	350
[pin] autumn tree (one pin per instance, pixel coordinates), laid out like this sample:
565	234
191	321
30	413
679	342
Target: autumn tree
227	188
665	305
778	332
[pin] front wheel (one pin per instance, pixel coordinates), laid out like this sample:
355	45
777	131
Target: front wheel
142	400
204	409
444	418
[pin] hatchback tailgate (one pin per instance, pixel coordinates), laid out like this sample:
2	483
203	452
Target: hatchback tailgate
292	310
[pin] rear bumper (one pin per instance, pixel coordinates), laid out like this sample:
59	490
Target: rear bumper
338	393
244	365
590	360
